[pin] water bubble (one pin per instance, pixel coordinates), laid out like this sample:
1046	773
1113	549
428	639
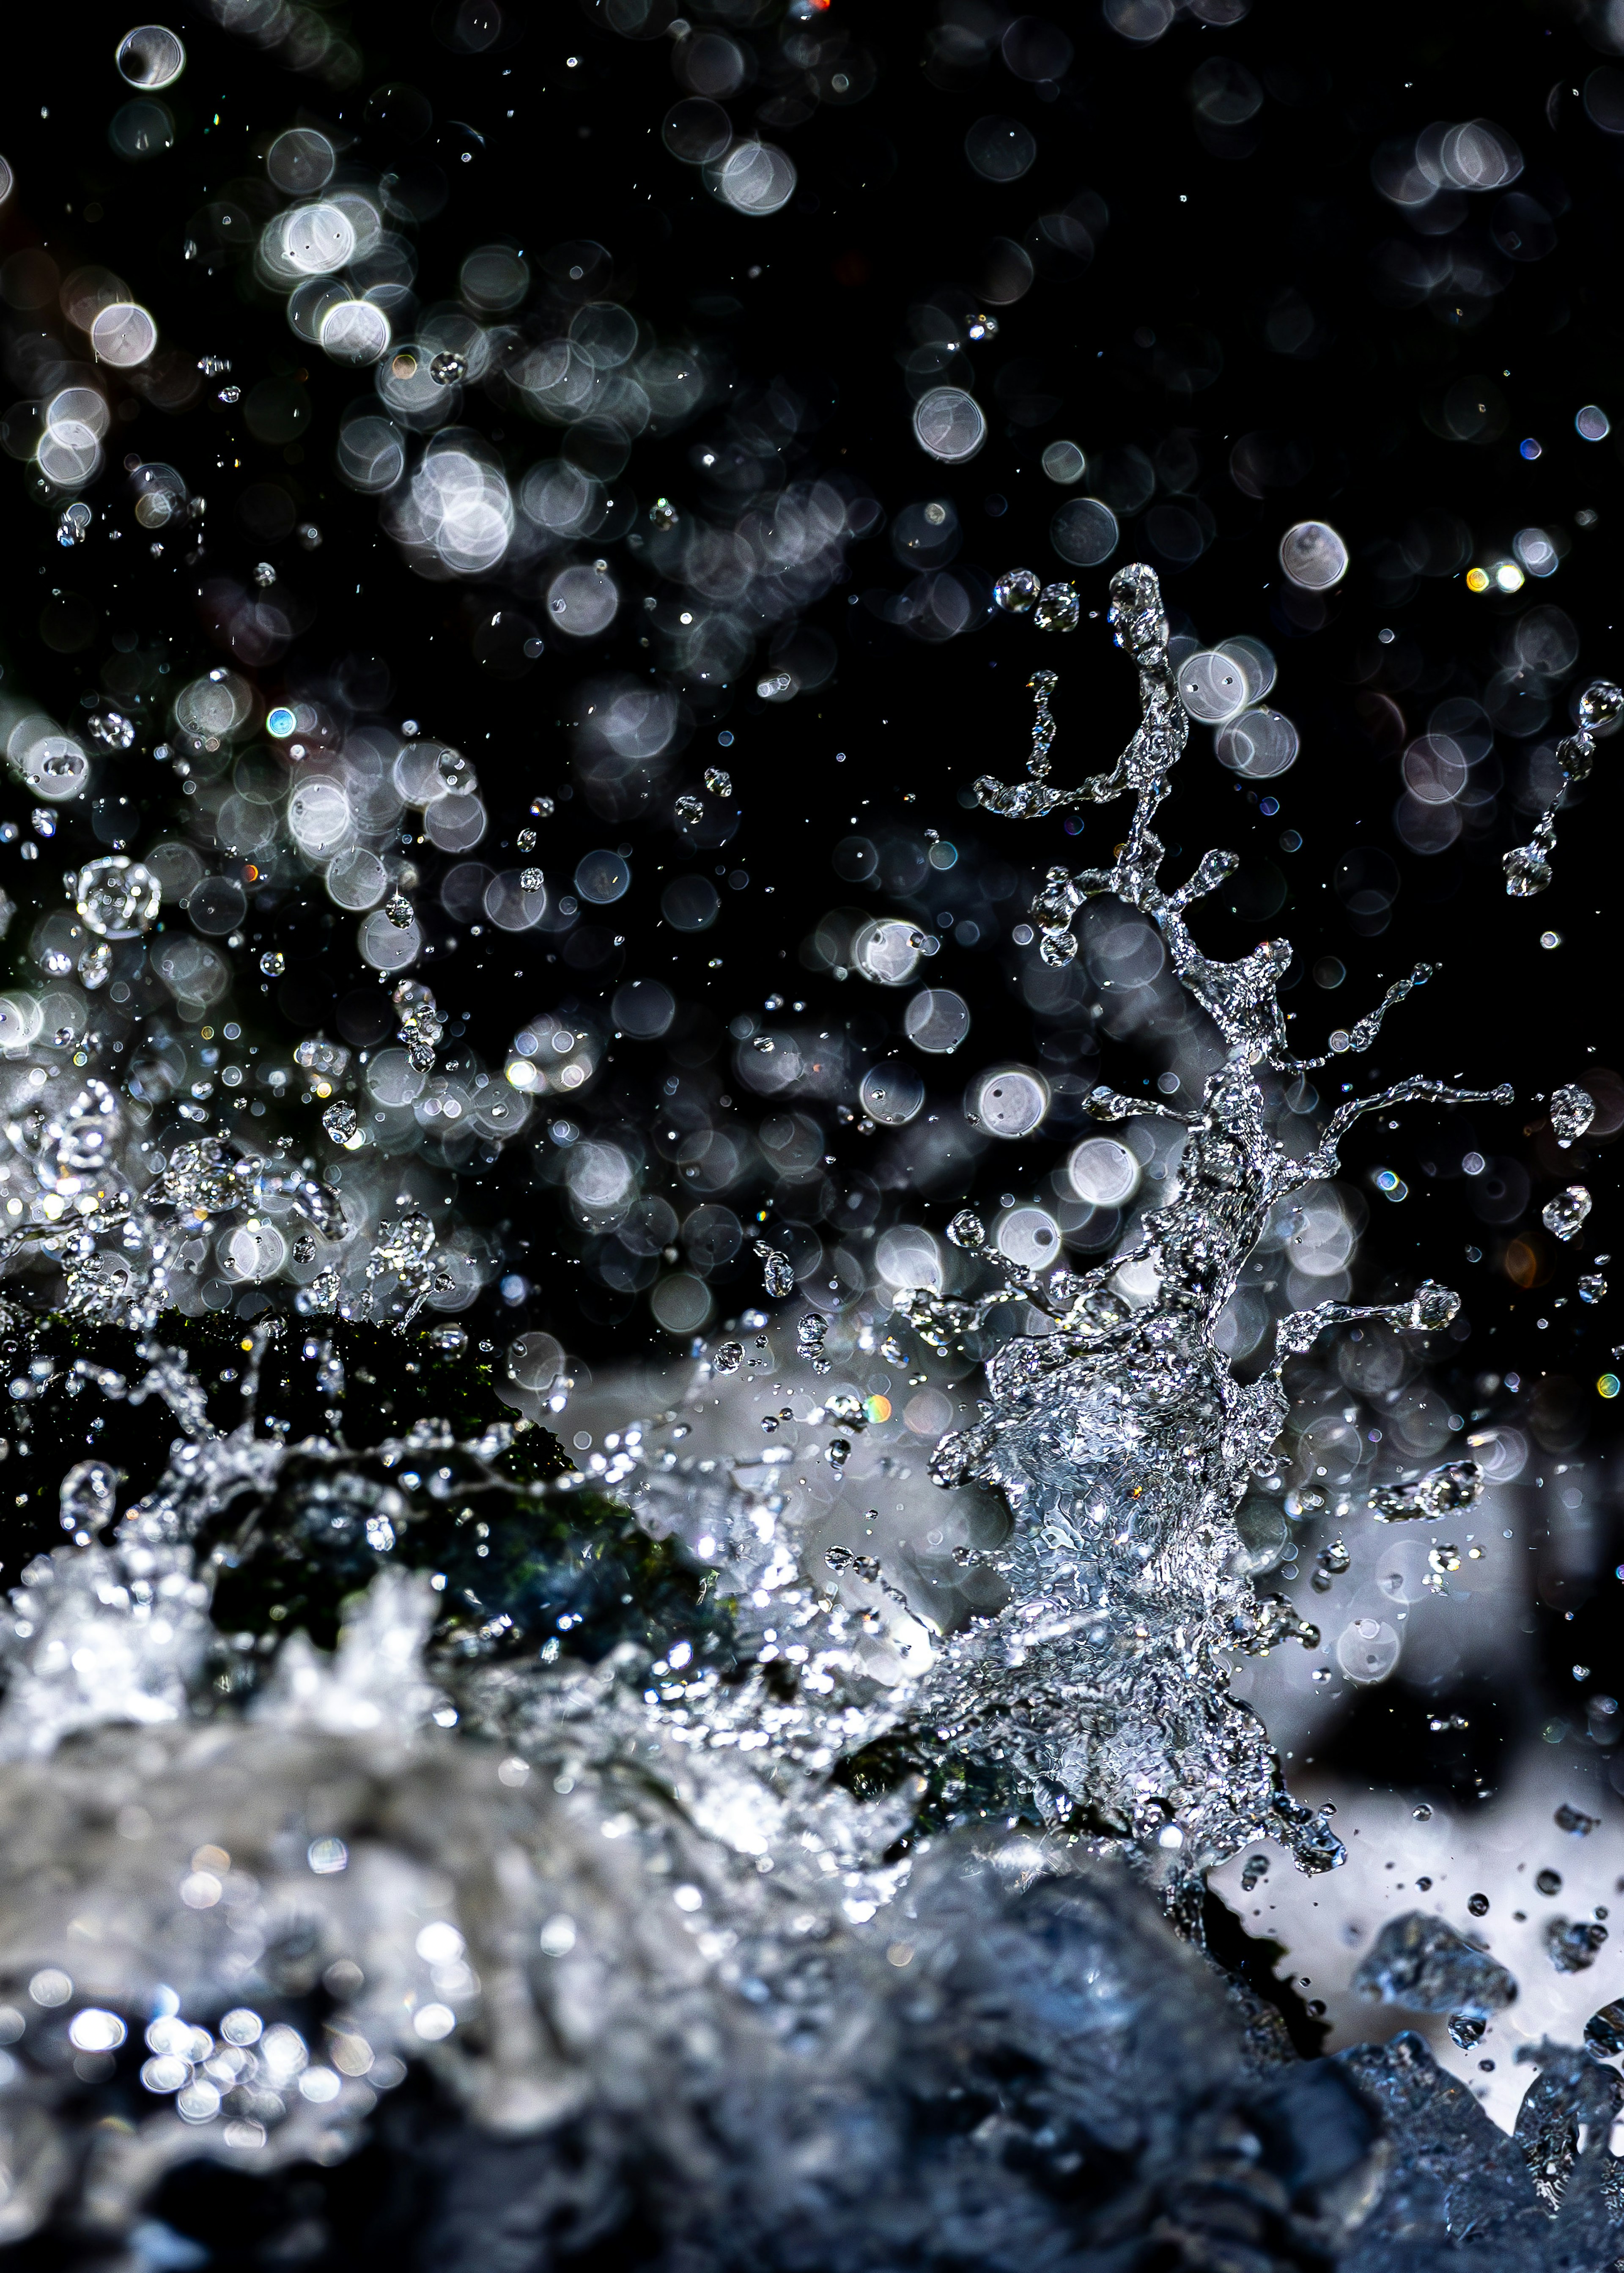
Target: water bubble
1058	609
1314	555
1016	590
689	808
980	327
663	514
341	1123
727	1357
448	369
1564	1216
272	963
1593	1286
719	784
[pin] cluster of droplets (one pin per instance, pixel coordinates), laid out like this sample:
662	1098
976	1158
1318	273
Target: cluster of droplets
1528	866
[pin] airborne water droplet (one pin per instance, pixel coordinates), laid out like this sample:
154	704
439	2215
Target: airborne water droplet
1572	1111
1564	1216
1016	590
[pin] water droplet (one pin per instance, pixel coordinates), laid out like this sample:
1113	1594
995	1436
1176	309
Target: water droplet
95	965
1601	703
1527	871
1058	609
448	368
778	1277
1572	1111
1016	590
1564	1216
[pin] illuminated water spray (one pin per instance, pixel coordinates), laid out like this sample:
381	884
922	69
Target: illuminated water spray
1119	1436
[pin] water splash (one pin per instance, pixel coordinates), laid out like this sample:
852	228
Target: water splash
783	1739
1117	1433
1528	866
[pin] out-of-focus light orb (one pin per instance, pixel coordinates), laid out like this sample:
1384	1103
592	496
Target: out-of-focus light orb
1314	555
950	424
1536	551
281	723
355	331
124	335
1529	448
150	57
1607	1385
1476	580
1592	424
1261	744
1508	576
1009	1103
753	178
